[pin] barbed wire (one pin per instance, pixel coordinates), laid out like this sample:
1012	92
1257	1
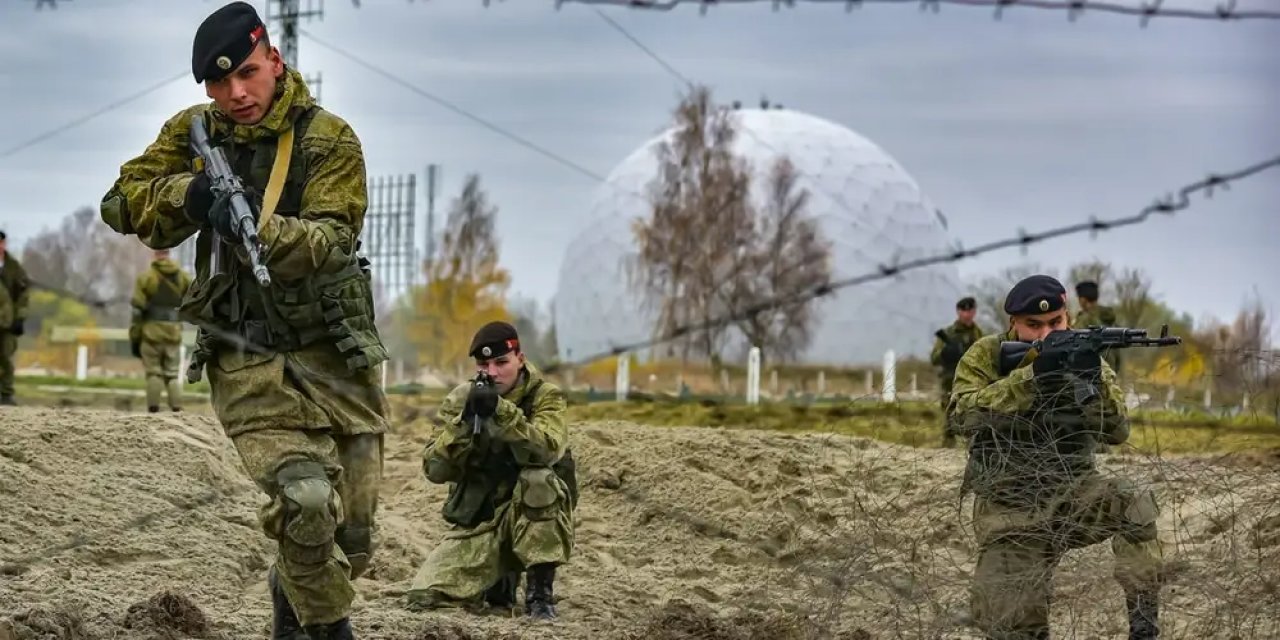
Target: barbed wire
1074	8
1166	205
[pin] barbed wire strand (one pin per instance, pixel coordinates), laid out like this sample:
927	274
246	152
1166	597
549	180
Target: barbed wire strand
1166	205
1225	11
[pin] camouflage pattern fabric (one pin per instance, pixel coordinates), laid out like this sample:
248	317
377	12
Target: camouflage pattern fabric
1102	316
14	299
290	410
161	286
1038	493
532	522
965	336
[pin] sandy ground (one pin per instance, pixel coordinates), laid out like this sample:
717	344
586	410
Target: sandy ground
118	525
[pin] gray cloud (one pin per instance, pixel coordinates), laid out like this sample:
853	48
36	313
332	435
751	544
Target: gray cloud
1028	122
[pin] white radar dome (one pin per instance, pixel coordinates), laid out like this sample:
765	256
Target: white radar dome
868	208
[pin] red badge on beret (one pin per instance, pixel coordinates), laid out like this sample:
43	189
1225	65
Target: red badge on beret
256	34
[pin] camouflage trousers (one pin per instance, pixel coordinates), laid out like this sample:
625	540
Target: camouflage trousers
160	361
317	557
525	531
309	432
1019	549
8	347
944	399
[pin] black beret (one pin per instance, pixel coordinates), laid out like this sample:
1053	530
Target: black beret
1035	295
2	235
966	303
1087	289
224	40
494	339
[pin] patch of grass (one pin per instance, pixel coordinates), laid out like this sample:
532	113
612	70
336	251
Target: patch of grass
101	383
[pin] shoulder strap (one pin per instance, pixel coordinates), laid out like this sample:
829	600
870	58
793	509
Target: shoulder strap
526	403
280	166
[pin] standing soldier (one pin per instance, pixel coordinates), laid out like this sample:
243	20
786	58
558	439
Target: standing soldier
505	454
13	315
156	333
951	343
1038	493
293	365
1092	313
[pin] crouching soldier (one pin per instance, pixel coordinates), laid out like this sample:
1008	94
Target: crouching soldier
504	452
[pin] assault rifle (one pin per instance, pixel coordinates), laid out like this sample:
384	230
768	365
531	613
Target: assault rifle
224	183
481	380
1076	343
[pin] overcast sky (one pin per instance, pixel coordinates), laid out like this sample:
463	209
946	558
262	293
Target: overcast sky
1028	122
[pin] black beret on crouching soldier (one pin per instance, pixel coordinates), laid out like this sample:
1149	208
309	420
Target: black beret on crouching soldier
224	40
1035	295
493	340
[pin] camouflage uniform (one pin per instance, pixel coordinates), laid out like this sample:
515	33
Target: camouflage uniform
511	497
14	287
156	332
958	336
1102	316
1038	493
304	408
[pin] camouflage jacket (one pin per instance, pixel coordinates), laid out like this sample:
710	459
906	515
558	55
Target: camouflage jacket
958	333
310	243
156	296
1026	441
14	292
482	468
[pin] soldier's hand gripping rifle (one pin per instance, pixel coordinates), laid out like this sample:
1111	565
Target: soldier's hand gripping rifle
484	383
224	183
1080	351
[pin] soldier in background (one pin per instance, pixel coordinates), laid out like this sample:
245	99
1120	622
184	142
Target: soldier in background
949	346
504	452
155	335
1092	313
293	366
14	287
1037	490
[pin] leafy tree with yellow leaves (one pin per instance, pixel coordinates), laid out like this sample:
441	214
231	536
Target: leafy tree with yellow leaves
465	286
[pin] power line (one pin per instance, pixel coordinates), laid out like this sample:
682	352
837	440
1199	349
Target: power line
1074	8
1166	205
85	118
670	69
455	108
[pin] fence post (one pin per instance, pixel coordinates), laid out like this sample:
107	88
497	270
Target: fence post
889	394
753	376
82	362
773	382
624	377
915	386
822	382
182	366
870	383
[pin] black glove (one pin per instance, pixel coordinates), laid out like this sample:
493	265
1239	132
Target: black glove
1048	362
135	347
952	353
16	328
199	200
483	400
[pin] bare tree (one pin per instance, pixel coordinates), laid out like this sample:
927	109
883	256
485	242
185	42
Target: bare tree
787	255
700	215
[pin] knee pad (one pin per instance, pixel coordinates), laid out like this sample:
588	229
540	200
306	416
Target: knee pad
311	512
540	492
356	542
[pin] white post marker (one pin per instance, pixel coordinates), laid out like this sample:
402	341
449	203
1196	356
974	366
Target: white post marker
384	375
871	388
182	366
773	382
623	380
753	376
822	382
1208	398
82	362
890	392
915	388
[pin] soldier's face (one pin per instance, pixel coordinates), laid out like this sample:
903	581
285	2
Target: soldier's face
1030	328
966	315
505	369
245	94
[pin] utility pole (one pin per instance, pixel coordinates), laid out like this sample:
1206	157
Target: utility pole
433	171
287	13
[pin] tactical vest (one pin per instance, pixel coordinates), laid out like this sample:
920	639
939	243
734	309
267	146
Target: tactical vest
335	307
490	476
163	304
1026	461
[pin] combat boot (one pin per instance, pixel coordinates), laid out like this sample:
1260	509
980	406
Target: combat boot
539	598
1144	615
153	409
284	622
340	630
502	595
8	400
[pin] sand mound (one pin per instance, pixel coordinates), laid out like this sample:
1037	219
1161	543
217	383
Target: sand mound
139	526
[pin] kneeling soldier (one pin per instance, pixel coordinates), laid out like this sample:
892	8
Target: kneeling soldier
504	452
